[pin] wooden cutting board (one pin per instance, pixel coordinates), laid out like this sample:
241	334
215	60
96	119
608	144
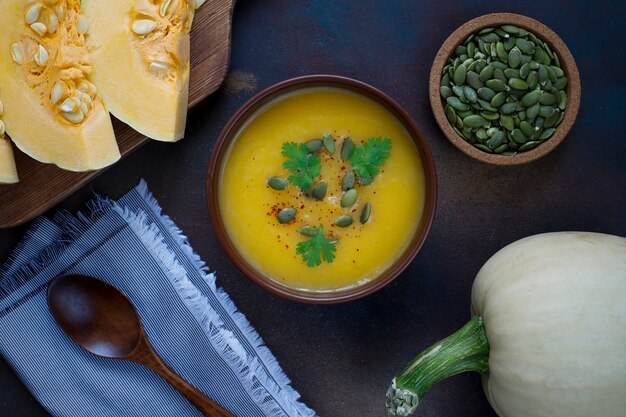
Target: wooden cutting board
42	186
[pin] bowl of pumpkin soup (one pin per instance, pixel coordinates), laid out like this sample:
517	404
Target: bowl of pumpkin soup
321	189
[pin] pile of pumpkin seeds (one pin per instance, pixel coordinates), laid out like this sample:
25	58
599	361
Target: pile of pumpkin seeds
503	90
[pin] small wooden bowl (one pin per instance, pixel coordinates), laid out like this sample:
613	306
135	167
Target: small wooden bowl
567	64
229	135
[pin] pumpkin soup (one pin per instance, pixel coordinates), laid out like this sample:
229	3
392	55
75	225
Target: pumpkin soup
334	230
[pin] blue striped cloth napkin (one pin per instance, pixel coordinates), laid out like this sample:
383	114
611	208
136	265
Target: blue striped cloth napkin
191	323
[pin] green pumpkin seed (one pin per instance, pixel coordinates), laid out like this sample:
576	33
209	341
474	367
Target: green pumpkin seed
551	73
490	37
463	114
509	43
486	30
286	214
453	101
515	57
486	93
562	100
495	85
470	94
560	83
501	33
481	135
329	142
533	65
486	73
507	122
518	136
546	111
445	80
277	183
489	115
551	121
511	73
525	46
510	29
541	56
524	71
473	121
349	197
501	148
528	145
496	140
347	147
518	84
498	99
526	128
367	180
307	230
473	79
486	106
498	65
509	153
547	99
314	145
539	121
501	52
460	50
498	74
542	72
521	115
508	108
546	133
365	213
343	220
532	80
471	49
319	191
349	180
459	122
530	98
458	91
459	75
532	111
558	71
450	114
483	148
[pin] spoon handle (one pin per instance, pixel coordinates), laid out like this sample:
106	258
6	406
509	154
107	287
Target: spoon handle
146	356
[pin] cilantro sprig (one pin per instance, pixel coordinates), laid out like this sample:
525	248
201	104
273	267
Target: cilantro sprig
304	166
316	249
367	159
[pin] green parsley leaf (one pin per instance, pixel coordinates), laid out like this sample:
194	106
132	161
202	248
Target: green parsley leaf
304	166
368	158
316	248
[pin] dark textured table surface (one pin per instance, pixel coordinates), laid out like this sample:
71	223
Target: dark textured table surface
342	358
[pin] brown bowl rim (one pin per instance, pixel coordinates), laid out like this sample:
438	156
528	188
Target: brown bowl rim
223	141
568	64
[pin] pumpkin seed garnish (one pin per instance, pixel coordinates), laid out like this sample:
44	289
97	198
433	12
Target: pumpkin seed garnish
329	142
285	215
307	230
365	213
343	221
349	197
348	181
319	191
314	145
277	183
347	147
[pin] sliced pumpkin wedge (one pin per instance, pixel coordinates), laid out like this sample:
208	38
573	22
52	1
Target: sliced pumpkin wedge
51	111
140	53
8	171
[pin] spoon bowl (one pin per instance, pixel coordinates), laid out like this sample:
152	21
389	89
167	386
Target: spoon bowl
97	316
102	320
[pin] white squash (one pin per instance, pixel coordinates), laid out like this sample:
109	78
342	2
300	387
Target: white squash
549	334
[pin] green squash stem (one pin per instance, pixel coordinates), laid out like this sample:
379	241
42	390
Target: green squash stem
465	350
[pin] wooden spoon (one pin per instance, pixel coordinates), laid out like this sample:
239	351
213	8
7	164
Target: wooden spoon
103	321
